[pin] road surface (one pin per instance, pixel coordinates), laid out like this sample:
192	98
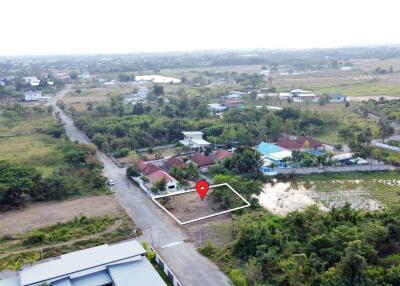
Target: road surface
158	229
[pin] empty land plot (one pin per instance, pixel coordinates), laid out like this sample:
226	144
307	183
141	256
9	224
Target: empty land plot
187	207
41	214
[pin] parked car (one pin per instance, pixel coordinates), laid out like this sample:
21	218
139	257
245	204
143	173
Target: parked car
110	183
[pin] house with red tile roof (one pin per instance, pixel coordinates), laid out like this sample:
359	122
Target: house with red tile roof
288	144
147	168
220	155
171	183
301	140
201	161
175	162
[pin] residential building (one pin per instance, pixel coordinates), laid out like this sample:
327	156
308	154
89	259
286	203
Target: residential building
272	154
285	96
216	107
194	139
235	95
201	161
147	168
32	80
120	264
171	183
266	148
32	95
288	144
337	97
235	103
308	142
342	159
175	162
220	155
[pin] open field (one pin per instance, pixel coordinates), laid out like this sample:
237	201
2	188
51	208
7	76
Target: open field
369	65
219	230
40	151
217	69
80	100
41	214
347	117
188	206
24	142
369	191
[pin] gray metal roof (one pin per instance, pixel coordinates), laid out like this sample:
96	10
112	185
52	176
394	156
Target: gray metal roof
74	262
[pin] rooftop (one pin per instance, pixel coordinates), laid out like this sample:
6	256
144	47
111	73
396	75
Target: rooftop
288	144
220	155
121	264
201	160
175	162
148	168
266	148
159	175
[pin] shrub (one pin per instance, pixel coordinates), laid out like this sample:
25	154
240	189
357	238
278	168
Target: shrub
123	152
237	277
132	171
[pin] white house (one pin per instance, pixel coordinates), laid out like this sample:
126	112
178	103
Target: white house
285	95
120	264
32	80
236	95
33	95
216	107
337	97
171	183
194	139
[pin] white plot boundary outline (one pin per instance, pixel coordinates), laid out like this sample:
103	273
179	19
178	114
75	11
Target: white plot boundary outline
154	198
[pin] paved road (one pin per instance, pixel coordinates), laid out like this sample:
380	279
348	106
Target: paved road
158	229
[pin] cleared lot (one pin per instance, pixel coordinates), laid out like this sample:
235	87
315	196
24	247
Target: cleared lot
42	214
188	206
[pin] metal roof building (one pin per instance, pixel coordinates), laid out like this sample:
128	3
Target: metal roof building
122	264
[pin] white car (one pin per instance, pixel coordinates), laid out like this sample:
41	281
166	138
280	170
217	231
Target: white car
110	183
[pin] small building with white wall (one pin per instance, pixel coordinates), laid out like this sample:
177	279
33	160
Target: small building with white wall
194	139
32	95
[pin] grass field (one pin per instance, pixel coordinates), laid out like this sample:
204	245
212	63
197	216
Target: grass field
346	117
56	239
382	186
24	143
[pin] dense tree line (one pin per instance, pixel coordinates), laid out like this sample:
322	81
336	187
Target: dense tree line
340	247
21	184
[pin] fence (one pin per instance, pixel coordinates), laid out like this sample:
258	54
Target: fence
166	269
333	169
386	146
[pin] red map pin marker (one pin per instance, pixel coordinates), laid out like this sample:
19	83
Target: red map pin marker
202	188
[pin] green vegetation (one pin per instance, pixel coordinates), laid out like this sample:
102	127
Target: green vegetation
61	238
39	163
341	247
80	226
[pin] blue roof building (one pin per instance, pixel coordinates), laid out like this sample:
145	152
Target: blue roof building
267	148
121	264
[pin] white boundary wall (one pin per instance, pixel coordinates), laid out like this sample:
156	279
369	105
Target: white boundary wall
154	198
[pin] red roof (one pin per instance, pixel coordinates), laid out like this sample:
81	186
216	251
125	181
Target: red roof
220	155
175	162
288	144
201	160
148	168
159	175
313	143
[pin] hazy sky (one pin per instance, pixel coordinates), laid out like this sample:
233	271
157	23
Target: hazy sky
115	26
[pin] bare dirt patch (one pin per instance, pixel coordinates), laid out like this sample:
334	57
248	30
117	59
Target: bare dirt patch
188	206
41	214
